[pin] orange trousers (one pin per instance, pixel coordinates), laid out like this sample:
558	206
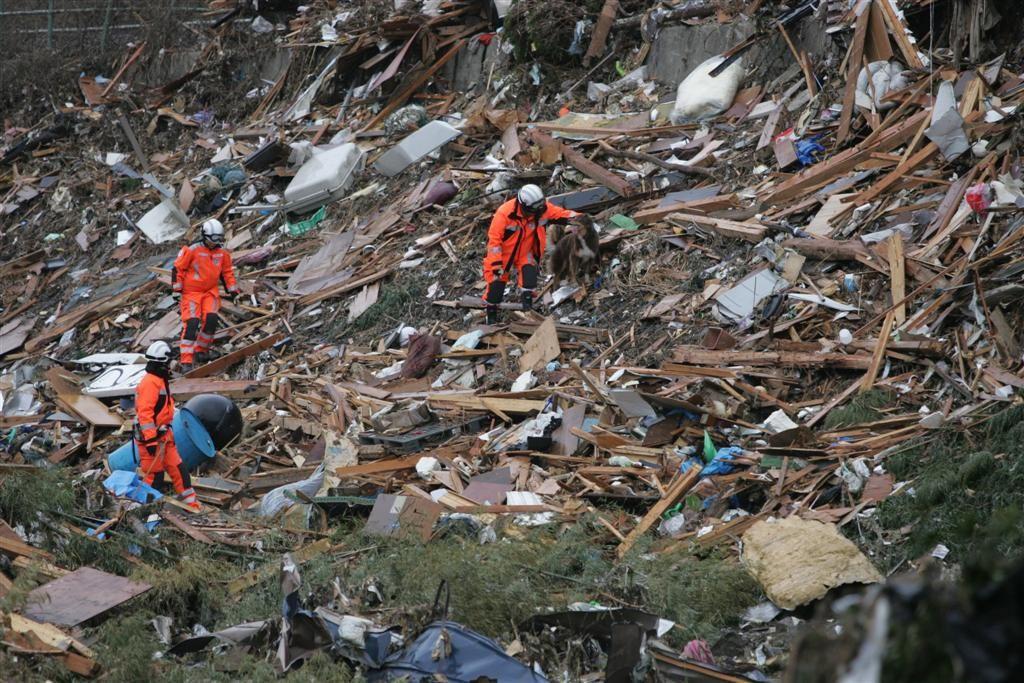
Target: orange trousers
164	459
199	320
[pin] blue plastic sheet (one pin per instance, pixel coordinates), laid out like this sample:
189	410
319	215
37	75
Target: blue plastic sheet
128	485
807	150
719	464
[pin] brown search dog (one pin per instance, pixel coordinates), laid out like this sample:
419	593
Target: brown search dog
577	250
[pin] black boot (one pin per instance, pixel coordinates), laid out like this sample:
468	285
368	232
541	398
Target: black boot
202	358
492	315
527	301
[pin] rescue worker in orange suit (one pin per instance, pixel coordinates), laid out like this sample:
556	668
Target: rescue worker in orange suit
516	241
154	439
197	275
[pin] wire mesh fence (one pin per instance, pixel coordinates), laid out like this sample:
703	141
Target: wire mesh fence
90	27
41	39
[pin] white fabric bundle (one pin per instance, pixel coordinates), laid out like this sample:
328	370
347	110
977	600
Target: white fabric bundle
701	96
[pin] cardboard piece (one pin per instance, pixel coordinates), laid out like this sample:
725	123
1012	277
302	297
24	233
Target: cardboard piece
403	517
541	347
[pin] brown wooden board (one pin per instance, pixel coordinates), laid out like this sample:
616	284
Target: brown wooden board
80	596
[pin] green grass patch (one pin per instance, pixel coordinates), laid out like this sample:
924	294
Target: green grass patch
396	303
24	495
968	494
861	408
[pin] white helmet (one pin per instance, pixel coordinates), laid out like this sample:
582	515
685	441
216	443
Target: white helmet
213	231
531	198
159	352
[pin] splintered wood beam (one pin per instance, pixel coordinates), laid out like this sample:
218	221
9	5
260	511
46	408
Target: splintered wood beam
852	71
694	355
592	170
417	83
897	274
675	492
876	360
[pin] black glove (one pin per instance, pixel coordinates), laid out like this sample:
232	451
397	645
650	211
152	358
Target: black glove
161	430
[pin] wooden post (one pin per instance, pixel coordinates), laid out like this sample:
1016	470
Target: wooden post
898	277
106	25
49	26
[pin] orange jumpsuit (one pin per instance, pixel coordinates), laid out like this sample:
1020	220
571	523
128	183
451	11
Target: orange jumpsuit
515	240
197	274
154	408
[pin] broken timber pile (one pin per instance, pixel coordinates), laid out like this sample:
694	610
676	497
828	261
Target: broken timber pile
762	269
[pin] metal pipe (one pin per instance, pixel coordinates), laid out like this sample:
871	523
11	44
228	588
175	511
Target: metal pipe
27	12
106	25
49	27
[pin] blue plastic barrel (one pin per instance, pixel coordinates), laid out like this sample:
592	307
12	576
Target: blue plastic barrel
190	436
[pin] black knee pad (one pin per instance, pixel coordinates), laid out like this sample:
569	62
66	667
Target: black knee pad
192	328
495	292
211	323
528	277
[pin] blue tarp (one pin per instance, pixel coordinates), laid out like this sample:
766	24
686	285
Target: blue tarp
719	464
128	485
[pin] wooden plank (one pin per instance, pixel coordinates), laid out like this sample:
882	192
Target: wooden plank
51	635
541	347
344	288
265	481
699	356
751	232
88	408
402	96
877	48
380	466
304	554
876	360
827	170
15	547
79	596
185	528
224	362
897	174
897	275
77	664
592	170
675	492
701	206
365	390
471	402
602	28
85	314
899	32
232	388
853	67
828	249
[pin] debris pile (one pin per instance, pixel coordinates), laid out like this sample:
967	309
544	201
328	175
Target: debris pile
802	267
